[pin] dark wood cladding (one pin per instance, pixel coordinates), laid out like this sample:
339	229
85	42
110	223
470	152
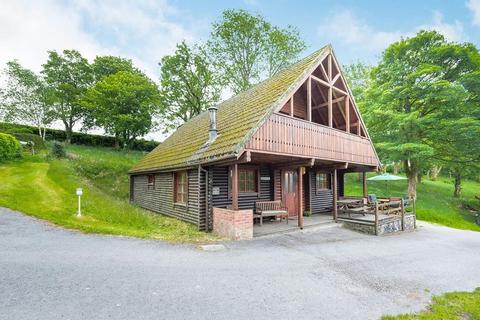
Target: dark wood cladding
245	200
159	198
285	135
321	201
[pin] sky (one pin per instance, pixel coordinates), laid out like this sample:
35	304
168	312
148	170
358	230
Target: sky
146	30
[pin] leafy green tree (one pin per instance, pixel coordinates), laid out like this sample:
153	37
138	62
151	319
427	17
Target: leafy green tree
189	84
414	94
68	76
358	78
25	98
107	65
247	48
123	104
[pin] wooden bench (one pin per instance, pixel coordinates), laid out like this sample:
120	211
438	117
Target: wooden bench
270	209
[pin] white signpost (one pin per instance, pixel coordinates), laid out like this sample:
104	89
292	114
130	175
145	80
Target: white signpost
79	194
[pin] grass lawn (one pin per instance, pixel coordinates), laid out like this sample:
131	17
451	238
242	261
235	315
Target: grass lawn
435	199
46	189
453	305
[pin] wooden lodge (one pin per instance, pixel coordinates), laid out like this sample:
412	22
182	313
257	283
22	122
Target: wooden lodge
278	149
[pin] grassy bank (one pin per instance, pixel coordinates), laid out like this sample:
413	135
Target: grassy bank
435	199
453	305
46	189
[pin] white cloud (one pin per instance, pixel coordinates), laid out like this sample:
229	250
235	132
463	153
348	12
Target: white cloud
354	31
474	6
359	33
452	32
29	29
141	30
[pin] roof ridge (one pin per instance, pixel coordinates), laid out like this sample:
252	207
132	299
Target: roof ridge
237	117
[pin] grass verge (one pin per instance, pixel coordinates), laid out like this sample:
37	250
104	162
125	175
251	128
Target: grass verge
46	190
453	305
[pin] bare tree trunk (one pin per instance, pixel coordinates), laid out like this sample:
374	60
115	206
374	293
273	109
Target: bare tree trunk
411	171
434	172
68	135
419	177
458	184
396	167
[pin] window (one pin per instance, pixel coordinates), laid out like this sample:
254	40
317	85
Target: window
180	187
247	180
151	181
321	180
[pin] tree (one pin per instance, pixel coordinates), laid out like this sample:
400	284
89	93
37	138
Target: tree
25	98
189	84
358	78
68	75
107	65
414	96
247	47
123	104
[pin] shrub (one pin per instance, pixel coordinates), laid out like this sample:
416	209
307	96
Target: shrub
39	144
9	147
58	150
77	137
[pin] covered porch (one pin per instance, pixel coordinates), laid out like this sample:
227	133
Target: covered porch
283	192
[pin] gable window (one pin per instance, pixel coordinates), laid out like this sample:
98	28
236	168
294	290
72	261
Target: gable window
321	181
247	180
180	187
151	181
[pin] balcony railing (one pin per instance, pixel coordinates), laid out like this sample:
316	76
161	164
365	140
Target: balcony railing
290	136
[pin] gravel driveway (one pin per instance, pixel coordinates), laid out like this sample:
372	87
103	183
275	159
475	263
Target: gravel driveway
323	273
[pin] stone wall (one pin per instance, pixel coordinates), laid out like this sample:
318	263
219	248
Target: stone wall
360	226
233	224
389	225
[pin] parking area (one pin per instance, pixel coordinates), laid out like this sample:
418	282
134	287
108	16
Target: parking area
322	272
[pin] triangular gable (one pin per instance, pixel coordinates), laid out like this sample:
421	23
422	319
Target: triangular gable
237	120
327	83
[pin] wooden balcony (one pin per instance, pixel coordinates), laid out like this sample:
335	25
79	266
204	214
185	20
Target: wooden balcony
283	134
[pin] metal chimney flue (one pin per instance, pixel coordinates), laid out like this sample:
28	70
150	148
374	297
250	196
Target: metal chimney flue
212	132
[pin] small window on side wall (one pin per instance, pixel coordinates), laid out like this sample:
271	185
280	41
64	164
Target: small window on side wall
247	181
321	181
180	187
151	181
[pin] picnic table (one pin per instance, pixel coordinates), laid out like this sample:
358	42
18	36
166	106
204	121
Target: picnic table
352	205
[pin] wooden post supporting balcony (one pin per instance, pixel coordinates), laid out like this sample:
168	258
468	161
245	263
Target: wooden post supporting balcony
300	197
335	194
364	184
330	107
235	187
347	114
291	106
309	99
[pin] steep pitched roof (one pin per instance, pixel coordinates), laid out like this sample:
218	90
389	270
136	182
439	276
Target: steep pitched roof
237	120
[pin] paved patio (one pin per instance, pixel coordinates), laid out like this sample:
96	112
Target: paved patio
276	226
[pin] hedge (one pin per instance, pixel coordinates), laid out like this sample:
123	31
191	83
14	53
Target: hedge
9	147
77	137
39	144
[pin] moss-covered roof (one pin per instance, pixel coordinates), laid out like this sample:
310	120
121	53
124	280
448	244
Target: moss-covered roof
237	120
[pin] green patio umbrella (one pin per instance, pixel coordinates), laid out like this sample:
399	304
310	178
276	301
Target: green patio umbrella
386	177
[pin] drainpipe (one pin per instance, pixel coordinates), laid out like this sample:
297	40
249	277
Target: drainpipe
207	206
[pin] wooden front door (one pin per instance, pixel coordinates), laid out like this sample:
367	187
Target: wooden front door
290	191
